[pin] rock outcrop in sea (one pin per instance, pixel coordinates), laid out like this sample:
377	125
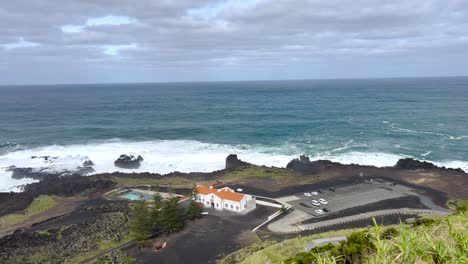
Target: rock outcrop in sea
128	162
412	164
304	165
232	162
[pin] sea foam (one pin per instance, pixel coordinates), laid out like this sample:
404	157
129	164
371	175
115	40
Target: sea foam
164	156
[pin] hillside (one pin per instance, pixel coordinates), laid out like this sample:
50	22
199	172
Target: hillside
425	240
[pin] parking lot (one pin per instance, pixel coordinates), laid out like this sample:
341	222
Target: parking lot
344	197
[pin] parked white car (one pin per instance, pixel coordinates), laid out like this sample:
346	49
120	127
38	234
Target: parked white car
319	211
315	202
323	201
307	194
314	193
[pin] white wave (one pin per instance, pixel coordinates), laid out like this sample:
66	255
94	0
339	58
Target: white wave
454	164
164	156
427	153
458	138
395	127
348	145
365	158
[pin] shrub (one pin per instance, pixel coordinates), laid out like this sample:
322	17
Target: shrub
389	233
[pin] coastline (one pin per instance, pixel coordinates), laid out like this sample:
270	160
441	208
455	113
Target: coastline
205	159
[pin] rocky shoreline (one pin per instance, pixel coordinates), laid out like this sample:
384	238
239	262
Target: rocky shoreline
69	185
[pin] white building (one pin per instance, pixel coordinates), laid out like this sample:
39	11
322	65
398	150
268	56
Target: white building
225	199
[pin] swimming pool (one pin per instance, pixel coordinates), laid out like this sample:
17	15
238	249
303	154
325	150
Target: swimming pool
131	196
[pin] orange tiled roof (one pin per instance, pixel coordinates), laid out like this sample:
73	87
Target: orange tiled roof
224	193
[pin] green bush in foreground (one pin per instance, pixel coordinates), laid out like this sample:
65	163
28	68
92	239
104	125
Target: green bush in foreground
443	240
352	250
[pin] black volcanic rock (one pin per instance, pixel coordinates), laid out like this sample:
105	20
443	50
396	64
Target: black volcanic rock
88	163
412	164
67	186
233	162
305	166
61	243
86	168
128	162
40	173
33	173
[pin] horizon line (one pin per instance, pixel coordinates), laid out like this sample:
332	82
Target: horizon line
226	81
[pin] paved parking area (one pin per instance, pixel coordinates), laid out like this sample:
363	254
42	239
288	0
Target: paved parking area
341	199
345	197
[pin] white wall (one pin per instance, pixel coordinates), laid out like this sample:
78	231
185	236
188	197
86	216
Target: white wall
220	204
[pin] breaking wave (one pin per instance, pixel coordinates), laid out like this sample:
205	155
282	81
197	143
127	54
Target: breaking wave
164	156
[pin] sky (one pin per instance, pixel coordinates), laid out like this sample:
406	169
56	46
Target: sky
110	41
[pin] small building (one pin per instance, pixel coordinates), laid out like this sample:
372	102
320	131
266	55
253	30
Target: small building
225	199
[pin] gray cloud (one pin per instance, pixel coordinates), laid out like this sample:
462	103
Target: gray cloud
231	39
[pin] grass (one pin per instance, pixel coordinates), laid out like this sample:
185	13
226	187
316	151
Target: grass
276	252
39	205
260	171
169	181
437	240
102	247
442	241
44	232
279	174
458	205
430	240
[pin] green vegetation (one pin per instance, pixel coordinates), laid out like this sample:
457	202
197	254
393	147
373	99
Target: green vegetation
121	256
172	215
460	205
140	223
260	171
243	253
102	247
275	252
194	210
441	240
168	181
39	205
425	240
166	215
44	232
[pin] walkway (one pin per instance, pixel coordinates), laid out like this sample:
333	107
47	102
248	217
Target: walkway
323	241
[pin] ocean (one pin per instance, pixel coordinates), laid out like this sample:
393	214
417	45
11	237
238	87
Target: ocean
194	126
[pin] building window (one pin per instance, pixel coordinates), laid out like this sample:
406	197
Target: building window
245	206
225	205
232	206
237	208
217	204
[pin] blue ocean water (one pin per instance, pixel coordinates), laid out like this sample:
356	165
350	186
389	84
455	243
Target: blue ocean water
193	126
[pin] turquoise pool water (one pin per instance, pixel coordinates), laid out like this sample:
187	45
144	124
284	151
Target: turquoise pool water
131	196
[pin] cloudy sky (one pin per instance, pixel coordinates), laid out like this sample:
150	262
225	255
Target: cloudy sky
90	41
